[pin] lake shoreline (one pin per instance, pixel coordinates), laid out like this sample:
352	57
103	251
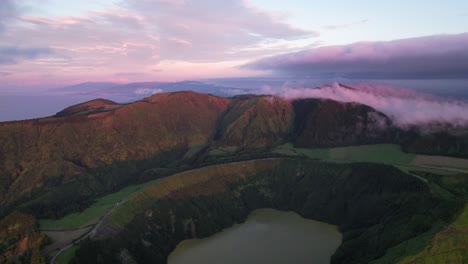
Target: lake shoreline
267	236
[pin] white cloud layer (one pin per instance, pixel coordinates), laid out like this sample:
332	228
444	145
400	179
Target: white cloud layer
405	107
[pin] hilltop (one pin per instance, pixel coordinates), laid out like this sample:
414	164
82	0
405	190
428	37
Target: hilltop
90	107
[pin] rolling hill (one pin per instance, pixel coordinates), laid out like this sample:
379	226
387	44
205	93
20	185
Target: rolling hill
53	166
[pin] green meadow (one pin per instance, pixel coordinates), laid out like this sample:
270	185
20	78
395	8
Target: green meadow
92	213
380	153
66	256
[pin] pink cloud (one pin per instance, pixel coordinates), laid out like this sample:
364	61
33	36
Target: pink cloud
406	107
136	35
441	56
181	41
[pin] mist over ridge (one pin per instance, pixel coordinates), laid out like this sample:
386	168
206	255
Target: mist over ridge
405	106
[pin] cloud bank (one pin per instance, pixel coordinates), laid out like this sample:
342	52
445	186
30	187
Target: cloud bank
405	107
11	55
7	12
140	36
440	56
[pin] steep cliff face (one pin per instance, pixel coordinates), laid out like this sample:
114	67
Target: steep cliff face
255	121
326	123
376	207
35	150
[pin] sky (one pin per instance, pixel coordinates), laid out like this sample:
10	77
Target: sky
53	43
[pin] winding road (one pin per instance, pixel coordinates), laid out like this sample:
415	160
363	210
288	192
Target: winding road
91	232
108	212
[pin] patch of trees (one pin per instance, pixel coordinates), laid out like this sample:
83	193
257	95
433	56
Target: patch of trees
21	240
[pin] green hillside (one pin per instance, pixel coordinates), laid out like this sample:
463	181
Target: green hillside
71	169
201	202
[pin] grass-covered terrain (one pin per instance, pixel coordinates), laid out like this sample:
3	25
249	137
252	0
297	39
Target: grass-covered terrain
386	153
379	153
54	167
409	247
37	152
66	256
376	206
444	243
91	214
189	181
440	171
448	246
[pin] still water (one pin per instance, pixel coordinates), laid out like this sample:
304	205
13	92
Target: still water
267	236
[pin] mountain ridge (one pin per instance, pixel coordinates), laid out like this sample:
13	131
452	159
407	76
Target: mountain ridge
36	153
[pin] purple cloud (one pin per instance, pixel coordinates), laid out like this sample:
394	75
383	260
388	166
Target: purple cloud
405	107
7	12
209	30
179	36
2	74
11	55
440	56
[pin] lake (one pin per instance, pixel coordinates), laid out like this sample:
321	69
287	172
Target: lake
267	236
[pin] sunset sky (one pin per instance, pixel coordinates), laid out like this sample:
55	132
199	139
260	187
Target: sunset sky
52	43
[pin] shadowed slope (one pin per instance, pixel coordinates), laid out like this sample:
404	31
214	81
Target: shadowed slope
256	121
327	123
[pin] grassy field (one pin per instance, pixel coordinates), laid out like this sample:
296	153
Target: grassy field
190	181
408	168
384	153
441	161
381	153
66	256
448	246
91	214
60	239
408	248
